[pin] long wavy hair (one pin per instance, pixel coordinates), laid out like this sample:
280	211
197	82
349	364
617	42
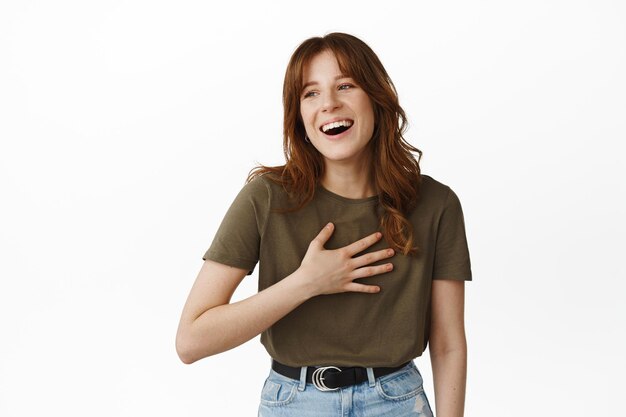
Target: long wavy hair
395	171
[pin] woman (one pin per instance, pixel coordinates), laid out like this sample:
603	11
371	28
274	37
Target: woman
362	258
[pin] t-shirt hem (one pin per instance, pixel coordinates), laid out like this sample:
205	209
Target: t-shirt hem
230	261
453	277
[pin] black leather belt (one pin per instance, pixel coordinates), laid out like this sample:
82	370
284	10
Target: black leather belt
330	378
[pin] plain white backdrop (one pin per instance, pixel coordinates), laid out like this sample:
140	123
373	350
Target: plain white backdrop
127	128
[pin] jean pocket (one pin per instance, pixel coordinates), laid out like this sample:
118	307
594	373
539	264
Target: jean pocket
400	385
277	392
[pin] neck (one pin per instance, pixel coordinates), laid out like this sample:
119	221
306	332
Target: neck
350	181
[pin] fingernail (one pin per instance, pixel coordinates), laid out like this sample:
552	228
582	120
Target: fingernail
390	252
379	235
329	225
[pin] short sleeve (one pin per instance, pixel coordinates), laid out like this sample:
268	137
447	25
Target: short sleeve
452	259
238	238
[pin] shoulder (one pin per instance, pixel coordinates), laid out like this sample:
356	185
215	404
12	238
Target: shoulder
435	193
270	185
257	187
254	194
265	191
433	189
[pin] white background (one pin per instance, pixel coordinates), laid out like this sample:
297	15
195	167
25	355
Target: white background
127	128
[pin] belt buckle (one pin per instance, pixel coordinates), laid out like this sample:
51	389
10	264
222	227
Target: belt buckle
318	378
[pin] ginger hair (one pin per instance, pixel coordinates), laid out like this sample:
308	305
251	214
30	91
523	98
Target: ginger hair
395	170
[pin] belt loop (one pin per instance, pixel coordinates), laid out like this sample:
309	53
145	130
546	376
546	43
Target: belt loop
302	383
370	377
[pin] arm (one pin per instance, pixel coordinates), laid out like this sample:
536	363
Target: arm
447	347
210	325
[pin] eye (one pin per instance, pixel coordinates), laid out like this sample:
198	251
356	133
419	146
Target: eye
308	94
345	86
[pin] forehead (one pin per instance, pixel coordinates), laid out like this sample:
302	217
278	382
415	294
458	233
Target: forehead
322	65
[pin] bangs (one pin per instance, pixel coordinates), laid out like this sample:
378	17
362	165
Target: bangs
346	66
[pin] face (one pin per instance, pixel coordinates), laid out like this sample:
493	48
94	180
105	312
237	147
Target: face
338	115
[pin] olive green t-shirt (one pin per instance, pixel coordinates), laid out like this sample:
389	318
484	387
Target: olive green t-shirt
346	329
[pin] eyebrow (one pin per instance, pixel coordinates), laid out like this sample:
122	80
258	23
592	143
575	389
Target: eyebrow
310	83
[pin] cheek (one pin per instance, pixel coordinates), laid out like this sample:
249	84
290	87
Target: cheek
366	109
306	117
370	118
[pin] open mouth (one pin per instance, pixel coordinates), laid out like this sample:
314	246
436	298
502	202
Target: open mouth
337	127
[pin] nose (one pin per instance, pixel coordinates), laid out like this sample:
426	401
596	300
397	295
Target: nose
330	102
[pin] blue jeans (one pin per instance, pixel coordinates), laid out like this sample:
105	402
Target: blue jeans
398	394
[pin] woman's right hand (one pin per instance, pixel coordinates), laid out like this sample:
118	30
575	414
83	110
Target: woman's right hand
210	324
333	271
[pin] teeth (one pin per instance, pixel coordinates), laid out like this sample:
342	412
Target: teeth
346	123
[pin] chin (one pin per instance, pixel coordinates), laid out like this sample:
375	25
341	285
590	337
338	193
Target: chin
340	157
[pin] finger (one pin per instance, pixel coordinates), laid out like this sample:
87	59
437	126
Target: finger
369	271
323	236
362	244
370	258
354	287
